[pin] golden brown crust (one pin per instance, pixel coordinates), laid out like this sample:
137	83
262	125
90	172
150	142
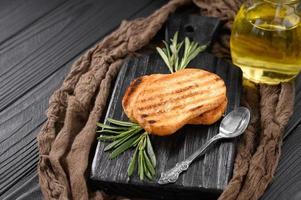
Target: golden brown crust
137	85
190	84
172	100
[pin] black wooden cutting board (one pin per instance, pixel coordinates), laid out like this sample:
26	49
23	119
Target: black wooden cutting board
206	177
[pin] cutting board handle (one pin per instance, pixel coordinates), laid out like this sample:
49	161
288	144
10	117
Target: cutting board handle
198	28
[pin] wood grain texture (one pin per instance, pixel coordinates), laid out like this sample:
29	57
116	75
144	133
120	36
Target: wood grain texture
286	184
58	37
211	172
17	15
33	64
27	189
19	126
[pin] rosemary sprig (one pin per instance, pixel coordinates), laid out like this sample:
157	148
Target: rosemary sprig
125	135
170	53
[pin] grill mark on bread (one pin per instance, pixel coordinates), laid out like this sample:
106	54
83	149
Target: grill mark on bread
193	113
202	100
177	98
195	83
196	108
183	89
173	99
153	98
216	78
186	79
169	117
161	112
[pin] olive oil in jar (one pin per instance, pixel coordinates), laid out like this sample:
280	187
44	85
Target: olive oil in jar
266	41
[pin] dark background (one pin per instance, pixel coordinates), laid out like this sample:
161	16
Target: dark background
39	40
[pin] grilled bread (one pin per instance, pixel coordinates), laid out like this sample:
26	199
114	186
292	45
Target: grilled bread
172	100
137	85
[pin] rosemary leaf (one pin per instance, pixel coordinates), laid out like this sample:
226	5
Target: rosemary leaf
106	138
147	172
135	143
120	141
108	131
114	137
187	45
122	148
132	163
173	50
120	123
150	151
140	165
165	59
143	142
167	51
148	164
175	39
121	135
113	145
109	127
203	47
148	175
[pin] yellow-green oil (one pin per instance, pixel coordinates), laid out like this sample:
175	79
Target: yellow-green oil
266	42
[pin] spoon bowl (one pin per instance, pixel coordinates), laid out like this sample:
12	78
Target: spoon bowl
235	123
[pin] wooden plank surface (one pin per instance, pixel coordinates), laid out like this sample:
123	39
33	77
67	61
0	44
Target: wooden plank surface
58	37
286	184
18	15
39	39
33	64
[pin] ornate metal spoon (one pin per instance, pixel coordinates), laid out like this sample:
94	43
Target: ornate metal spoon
233	125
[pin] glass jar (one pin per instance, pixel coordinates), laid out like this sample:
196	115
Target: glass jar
266	40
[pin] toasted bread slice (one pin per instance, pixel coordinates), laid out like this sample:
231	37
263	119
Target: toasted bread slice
170	101
137	85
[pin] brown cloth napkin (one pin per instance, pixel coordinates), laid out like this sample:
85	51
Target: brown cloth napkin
66	139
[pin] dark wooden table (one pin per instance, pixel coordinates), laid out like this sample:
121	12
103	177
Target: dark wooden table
39	40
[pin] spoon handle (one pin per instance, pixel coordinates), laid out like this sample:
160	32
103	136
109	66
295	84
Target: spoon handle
172	174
